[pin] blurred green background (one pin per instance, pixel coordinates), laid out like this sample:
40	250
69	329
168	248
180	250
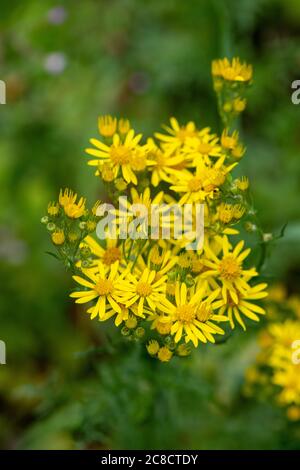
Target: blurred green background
66	385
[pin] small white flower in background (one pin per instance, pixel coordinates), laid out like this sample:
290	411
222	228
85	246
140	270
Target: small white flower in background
57	15
55	63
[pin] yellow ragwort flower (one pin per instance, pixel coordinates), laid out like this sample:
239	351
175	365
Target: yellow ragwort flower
144	289
102	285
58	237
107	125
72	209
228	269
120	154
243	305
242	183
53	208
152	347
177	135
192	315
233	70
164	354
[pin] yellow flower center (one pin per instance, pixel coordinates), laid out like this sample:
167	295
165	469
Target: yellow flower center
183	133
185	313
111	255
143	289
229	268
195	184
104	287
204	147
120	155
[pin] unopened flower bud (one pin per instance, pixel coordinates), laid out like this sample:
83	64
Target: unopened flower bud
82	225
125	331
51	227
139	332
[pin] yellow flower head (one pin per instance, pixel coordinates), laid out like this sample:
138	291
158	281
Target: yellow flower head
233	71
120	154
141	204
192	315
161	260
142	290
162	163
109	254
202	184
58	237
164	354
225	213
288	378
242	184
152	347
229	142
160	324
107	125
202	147
242	305
123	126
239	104
238	151
102	285
131	323
229	269
177	135
72	209
53	208
238	211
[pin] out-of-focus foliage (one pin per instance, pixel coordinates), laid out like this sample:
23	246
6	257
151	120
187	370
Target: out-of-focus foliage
64	64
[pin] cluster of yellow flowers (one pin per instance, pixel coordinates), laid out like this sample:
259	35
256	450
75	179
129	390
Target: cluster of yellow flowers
276	372
69	222
155	288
